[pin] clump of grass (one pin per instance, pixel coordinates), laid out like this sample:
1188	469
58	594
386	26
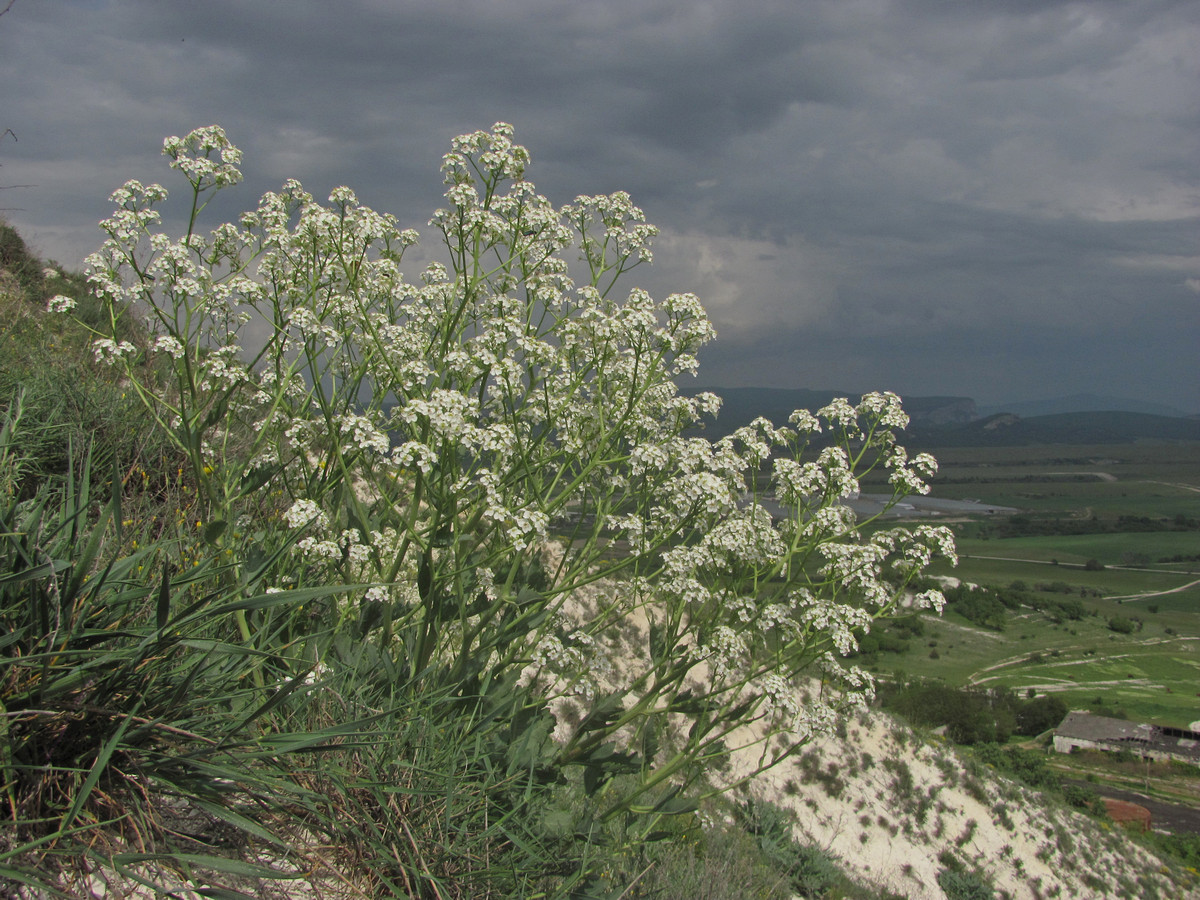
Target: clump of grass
23	267
75	402
751	853
964	884
124	709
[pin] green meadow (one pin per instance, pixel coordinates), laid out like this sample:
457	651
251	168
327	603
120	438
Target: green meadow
1140	479
1115	528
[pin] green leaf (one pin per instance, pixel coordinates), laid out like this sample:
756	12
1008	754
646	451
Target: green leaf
200	611
657	642
43	571
273	701
259	561
604	762
17	876
604	713
218	412
163	607
558	823
237	820
425	574
256	478
593	777
86	557
214	530
676	806
215	863
528	751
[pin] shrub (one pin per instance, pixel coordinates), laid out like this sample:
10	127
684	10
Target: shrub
1025	765
1082	798
1120	625
970	715
494	407
443	502
1040	714
964	885
978	605
810	870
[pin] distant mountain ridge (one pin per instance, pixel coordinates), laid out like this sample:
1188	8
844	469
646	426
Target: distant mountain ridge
1106	427
1082	403
958	421
743	405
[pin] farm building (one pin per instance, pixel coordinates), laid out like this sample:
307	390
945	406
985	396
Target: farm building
1089	732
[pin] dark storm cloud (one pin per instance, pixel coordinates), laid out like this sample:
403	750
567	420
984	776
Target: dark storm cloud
939	197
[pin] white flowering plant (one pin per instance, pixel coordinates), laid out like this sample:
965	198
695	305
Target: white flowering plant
497	453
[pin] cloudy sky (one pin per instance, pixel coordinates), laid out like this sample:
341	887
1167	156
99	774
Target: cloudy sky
990	199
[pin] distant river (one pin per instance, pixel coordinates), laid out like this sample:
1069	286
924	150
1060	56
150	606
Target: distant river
868	505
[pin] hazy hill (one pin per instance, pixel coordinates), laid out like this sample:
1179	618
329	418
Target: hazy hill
1005	429
1081	403
956	421
743	405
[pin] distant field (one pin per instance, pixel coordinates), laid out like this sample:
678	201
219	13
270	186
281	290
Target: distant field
1108	549
1170	460
1152	674
1141	479
1149	676
992	563
1083	499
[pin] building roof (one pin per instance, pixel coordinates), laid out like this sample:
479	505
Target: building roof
1088	727
1137	736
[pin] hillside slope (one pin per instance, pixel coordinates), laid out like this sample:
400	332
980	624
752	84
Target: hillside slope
957	422
899	812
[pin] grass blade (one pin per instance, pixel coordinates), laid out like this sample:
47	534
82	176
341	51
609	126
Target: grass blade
106	751
163	607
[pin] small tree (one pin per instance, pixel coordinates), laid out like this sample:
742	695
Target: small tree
1121	625
1039	714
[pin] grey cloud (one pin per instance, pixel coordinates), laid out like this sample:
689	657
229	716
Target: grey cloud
901	193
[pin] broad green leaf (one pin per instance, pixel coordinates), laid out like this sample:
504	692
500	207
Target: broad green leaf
213	531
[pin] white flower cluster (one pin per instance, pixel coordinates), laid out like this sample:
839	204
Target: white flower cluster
305	514
194	156
169	345
780	700
624	229
363	434
110	352
438	431
909	477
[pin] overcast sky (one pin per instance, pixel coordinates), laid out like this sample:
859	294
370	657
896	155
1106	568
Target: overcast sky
989	198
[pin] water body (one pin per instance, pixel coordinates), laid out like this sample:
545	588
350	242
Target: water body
919	507
866	506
